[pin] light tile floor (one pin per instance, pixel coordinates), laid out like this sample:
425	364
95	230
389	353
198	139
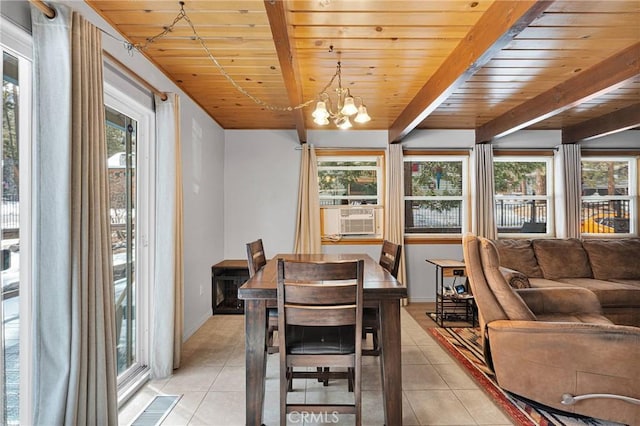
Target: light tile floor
435	390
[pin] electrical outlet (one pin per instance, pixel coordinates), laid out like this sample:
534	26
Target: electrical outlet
458	272
201	290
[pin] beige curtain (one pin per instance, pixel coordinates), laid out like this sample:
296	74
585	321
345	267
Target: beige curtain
484	222
74	378
394	212
308	239
167	323
568	191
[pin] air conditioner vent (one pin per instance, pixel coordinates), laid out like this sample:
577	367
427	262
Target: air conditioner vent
357	221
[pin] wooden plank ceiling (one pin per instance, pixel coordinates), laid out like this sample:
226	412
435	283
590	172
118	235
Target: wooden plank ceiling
493	66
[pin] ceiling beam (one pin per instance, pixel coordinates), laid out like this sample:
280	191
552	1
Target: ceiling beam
493	31
595	81
278	22
614	122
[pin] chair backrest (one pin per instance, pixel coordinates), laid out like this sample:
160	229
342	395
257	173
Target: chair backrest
256	258
321	294
390	257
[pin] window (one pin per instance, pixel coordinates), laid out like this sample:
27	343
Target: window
523	195
608	195
435	194
351	187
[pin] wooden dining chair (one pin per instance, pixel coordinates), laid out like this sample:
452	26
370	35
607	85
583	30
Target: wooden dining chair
256	260
389	260
320	324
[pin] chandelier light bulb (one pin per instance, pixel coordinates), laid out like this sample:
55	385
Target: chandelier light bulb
321	111
321	121
343	122
349	107
362	116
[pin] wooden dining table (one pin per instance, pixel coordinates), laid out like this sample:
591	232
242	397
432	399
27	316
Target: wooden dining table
379	287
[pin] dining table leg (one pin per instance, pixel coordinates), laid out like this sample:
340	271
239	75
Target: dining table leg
255	317
390	361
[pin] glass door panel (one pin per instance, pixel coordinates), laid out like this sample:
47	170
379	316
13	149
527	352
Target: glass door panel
121	160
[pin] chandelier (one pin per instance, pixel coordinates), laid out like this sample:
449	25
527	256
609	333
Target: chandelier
345	106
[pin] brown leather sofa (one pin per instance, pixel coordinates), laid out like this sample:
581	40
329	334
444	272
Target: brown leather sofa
608	267
554	345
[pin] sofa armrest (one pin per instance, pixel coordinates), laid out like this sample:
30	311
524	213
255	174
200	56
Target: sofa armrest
560	300
516	279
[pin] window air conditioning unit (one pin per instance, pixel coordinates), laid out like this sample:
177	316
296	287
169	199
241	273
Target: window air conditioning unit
357	221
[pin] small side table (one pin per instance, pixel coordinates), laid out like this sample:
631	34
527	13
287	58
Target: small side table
452	307
226	277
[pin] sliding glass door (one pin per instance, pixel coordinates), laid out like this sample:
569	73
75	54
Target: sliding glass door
121	161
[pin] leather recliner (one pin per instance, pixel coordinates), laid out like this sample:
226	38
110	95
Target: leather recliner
553	345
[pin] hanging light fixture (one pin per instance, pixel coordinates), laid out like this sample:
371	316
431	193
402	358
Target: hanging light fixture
345	106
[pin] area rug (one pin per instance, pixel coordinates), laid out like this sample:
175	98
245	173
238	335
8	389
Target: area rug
464	345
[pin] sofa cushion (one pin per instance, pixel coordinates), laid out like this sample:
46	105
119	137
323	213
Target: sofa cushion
518	255
609	293
509	300
614	258
562	258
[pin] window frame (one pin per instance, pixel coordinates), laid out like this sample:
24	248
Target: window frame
549	197
355	155
465	197
632	196
18	43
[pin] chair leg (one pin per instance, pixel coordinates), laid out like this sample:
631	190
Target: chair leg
350	378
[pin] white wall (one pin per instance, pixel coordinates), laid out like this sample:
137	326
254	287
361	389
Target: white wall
261	190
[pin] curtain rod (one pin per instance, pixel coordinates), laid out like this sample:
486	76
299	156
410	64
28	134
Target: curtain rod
44	8
51	13
139	79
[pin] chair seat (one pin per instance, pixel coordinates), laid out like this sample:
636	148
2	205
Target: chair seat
309	340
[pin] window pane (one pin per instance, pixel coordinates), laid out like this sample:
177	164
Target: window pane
10	241
520	188
520	178
605	178
433	189
348	182
435	178
442	217
606	201
121	148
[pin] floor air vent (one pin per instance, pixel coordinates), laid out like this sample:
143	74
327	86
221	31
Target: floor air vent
157	410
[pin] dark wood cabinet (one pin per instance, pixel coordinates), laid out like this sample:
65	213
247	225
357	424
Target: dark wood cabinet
226	277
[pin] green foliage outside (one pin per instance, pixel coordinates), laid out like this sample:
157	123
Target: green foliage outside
342	178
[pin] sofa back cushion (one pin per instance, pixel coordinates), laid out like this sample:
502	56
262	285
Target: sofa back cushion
562	258
509	300
518	255
617	259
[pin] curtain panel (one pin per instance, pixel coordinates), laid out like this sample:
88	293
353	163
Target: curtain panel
74	348
568	188
394	212
167	308
484	222
307	237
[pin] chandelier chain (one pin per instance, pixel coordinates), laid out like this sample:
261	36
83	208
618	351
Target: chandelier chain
182	15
